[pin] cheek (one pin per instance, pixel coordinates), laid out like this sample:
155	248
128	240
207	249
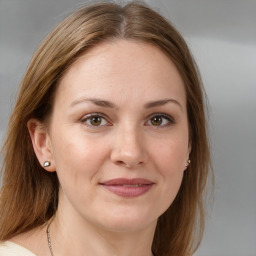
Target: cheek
170	157
170	160
171	168
77	159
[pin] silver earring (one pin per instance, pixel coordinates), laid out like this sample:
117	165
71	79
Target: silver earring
47	164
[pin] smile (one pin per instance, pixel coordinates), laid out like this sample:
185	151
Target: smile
128	188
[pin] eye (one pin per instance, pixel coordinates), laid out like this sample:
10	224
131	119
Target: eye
95	120
160	120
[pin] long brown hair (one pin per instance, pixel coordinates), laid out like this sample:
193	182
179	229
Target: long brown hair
29	195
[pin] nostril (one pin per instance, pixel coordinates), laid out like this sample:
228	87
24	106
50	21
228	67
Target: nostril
120	163
128	154
130	164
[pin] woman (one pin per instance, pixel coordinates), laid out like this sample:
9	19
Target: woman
107	152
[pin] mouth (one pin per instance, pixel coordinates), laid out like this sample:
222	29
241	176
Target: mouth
128	188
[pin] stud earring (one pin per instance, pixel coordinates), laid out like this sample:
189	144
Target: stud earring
188	163
47	164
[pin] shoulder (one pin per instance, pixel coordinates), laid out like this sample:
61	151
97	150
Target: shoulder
30	243
12	249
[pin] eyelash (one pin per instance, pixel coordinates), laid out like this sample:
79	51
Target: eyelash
169	119
95	115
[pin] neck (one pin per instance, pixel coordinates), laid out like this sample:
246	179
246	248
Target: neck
76	236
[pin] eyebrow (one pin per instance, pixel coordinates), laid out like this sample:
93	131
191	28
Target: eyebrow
98	102
161	103
109	104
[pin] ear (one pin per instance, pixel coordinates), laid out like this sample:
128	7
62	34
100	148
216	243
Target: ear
189	149
188	159
41	143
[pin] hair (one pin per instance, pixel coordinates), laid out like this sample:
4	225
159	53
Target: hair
29	195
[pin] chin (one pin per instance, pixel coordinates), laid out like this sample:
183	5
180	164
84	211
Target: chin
126	226
127	221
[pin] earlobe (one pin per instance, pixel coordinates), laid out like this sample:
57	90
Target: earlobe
188	159
187	164
41	144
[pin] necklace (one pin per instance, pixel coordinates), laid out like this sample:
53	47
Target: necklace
49	239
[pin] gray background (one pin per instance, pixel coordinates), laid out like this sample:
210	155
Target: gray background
222	36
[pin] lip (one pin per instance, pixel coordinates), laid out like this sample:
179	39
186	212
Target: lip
128	188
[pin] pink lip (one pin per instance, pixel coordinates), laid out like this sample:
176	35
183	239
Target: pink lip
128	187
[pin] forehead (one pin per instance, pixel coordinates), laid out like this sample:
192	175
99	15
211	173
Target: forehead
122	67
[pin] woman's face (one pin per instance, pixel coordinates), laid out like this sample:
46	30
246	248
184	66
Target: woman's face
119	135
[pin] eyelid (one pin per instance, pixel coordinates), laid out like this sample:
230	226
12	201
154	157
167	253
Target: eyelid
95	114
170	119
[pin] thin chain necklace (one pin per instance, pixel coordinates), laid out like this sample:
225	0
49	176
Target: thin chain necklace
49	238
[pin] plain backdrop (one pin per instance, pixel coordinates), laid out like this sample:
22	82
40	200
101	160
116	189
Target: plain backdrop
222	37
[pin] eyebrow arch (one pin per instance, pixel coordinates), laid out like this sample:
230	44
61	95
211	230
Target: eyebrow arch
161	103
108	104
98	102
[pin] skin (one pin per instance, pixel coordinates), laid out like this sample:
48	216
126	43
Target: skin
141	83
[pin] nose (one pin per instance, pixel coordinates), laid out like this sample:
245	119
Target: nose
128	148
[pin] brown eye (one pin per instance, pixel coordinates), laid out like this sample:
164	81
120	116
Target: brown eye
156	120
160	120
95	120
